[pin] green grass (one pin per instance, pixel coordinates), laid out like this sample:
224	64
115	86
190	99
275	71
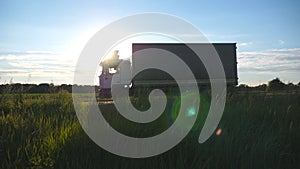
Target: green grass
259	130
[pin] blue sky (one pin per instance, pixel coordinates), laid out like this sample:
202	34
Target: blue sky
41	40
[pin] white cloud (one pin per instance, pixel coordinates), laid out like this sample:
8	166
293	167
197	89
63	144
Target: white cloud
270	61
261	66
43	66
244	44
281	42
40	65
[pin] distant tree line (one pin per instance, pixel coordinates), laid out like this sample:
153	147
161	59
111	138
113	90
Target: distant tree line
273	85
41	88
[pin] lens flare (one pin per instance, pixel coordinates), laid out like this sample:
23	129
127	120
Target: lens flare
219	132
191	111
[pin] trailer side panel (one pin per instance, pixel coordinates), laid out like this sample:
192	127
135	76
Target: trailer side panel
225	51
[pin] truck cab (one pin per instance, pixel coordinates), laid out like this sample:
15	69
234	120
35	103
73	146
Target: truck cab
114	71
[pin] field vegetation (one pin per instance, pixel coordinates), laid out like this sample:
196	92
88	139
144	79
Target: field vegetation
260	128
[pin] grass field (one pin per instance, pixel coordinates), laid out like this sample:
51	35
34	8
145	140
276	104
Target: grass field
257	130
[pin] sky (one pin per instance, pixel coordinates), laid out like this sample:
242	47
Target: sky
40	41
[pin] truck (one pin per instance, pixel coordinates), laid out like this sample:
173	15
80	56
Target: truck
153	78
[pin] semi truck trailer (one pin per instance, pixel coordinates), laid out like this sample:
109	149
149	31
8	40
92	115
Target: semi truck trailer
116	71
